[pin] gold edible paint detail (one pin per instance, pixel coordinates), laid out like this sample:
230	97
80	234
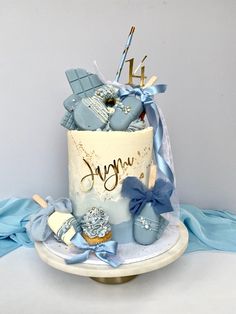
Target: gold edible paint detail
141	176
109	174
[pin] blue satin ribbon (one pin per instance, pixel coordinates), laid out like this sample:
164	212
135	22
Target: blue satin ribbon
147	98
104	251
140	195
37	228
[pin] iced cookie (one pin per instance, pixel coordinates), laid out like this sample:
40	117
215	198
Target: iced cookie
95	226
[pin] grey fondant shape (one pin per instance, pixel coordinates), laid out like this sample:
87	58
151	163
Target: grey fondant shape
126	112
82	82
70	102
148	226
68	121
91	114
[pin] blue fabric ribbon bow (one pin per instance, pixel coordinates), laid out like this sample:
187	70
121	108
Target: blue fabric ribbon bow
146	96
104	251
140	195
37	228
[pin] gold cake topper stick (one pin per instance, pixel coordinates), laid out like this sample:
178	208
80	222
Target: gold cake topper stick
132	74
151	81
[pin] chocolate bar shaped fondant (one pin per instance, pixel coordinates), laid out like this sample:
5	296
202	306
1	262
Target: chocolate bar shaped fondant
83	83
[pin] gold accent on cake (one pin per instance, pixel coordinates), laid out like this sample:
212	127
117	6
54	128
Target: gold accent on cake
112	170
141	176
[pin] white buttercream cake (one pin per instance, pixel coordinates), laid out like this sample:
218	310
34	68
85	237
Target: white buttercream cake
98	163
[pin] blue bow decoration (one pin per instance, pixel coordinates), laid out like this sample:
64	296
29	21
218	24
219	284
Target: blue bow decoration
37	228
140	195
104	251
146	96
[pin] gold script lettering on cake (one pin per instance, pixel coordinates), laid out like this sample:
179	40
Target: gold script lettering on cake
109	174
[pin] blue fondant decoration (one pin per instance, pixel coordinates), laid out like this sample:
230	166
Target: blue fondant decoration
148	226
82	82
68	121
70	102
91	114
125	112
146	205
136	125
140	195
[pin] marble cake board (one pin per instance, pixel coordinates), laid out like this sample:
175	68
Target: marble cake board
124	273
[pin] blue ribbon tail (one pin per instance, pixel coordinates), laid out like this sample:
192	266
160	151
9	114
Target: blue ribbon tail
79	258
112	260
154	119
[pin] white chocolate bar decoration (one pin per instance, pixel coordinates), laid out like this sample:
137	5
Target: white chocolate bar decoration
58	220
60	223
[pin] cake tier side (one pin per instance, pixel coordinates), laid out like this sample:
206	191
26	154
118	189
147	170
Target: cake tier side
99	162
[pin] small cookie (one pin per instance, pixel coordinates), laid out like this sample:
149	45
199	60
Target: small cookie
95	226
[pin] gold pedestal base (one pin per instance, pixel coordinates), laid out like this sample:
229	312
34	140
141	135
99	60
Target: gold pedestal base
113	280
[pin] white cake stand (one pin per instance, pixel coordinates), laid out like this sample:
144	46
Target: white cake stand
124	273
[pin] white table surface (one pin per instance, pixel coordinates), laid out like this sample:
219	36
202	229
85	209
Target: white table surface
201	282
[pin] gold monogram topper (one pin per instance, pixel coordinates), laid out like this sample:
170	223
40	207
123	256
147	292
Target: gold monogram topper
132	73
109	174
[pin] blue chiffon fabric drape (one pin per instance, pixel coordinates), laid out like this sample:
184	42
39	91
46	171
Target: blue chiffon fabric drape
208	229
14	215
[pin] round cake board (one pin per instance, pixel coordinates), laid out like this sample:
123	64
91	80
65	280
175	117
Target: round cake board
107	274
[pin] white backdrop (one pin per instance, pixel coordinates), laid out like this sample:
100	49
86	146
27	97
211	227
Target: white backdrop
190	44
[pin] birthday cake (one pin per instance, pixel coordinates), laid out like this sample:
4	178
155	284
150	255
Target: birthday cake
116	135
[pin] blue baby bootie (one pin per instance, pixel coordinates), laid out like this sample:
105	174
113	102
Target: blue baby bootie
125	112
